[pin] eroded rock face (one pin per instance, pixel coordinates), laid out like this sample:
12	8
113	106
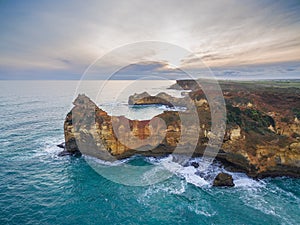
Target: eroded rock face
223	180
185	85
92	131
249	144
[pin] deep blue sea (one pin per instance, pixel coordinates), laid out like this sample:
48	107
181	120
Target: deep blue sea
38	187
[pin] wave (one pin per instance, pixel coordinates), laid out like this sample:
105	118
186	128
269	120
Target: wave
106	163
202	176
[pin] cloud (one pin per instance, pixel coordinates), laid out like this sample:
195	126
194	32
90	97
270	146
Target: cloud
148	70
64	36
290	70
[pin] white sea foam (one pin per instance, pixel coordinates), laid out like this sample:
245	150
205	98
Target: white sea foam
243	181
104	162
48	148
203	175
189	173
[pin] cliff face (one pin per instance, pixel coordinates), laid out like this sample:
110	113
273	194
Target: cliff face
262	136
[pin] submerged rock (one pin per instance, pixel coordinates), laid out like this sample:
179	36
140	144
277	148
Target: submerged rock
223	180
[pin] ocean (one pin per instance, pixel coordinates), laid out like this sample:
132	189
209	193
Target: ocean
39	187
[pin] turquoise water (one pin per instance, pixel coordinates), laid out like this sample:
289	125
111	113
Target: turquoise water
38	187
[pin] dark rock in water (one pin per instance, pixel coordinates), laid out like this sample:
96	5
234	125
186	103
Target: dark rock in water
61	145
205	175
71	145
195	164
223	180
66	153
181	159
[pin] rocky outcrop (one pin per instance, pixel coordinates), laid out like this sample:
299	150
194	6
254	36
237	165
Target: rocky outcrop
185	85
262	135
223	180
159	99
61	145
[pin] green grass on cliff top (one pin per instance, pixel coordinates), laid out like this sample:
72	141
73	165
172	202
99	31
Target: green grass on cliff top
267	83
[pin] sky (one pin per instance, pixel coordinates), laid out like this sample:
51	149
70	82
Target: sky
61	39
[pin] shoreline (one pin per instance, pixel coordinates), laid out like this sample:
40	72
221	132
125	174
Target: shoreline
259	145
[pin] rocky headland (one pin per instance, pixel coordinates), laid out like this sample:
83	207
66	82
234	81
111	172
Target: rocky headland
262	136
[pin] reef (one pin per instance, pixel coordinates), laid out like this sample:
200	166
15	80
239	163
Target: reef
262	135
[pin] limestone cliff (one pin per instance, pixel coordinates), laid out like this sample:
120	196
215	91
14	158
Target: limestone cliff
262	136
